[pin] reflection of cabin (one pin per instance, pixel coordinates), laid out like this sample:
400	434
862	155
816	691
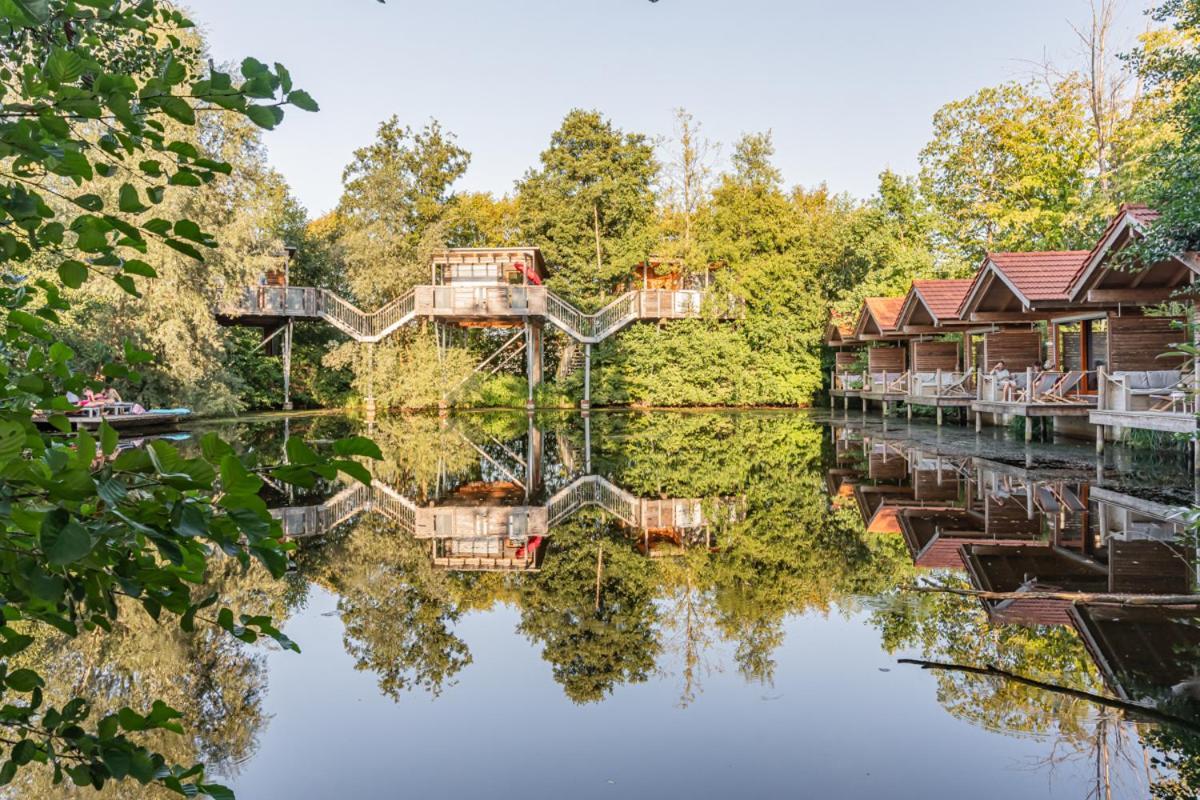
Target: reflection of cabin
488	554
1143	653
1034	567
935	536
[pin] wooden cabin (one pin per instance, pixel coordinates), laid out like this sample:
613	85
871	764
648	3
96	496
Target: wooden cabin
1137	384
668	274
1144	653
886	378
1030	288
845	380
940	371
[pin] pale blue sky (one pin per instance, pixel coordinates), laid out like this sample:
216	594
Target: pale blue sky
848	88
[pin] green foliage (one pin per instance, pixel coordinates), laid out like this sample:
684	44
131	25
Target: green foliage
94	176
590	205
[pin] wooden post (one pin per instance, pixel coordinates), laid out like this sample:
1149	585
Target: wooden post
529	364
832	386
287	364
587	377
1028	429
1101	404
1030	397
939	416
978	421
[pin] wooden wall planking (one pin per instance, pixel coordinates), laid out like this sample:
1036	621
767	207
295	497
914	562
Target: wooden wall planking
886	359
1135	343
1017	349
932	356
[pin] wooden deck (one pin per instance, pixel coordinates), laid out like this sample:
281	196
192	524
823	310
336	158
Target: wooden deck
1167	421
1080	409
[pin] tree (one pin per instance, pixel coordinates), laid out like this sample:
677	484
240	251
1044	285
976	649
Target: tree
1008	169
688	177
1171	67
93	98
590	205
396	193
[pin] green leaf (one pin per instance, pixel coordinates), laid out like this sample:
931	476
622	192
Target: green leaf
178	109
303	100
266	117
135	267
72	273
357	446
62	539
129	201
24	680
12	439
108	439
33	12
91	202
64	66
354	470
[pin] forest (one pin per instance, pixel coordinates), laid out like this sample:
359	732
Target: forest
1039	162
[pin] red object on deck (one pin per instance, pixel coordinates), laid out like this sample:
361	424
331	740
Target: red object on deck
532	546
529	273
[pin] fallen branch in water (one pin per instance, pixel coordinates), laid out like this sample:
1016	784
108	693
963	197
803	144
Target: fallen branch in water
1079	694
1092	598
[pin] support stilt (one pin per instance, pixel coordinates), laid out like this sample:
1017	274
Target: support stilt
287	364
1028	429
978	421
587	377
1099	439
939	416
908	411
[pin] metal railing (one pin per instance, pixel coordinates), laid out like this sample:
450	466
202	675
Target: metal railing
361	325
596	491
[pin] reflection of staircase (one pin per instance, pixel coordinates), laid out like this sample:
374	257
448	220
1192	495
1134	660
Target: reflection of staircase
572	361
305	521
593	490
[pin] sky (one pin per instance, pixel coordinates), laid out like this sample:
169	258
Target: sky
847	87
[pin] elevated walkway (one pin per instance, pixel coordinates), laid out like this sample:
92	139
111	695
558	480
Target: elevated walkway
267	306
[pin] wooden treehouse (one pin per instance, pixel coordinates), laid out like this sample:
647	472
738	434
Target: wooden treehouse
496	288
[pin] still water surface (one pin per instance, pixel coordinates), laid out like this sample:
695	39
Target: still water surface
700	605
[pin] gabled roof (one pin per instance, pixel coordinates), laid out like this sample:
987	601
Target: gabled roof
883	312
1129	225
940	299
839	331
1037	277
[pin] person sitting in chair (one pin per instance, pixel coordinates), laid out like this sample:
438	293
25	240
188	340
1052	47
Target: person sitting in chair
1004	379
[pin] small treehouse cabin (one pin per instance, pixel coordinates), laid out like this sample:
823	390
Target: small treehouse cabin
845	380
940	374
1138	384
887	364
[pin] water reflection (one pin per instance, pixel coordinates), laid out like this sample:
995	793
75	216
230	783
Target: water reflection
671	548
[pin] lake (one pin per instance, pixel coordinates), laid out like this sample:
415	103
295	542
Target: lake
694	604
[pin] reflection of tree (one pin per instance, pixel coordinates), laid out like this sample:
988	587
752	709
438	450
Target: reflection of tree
398	612
591	608
217	683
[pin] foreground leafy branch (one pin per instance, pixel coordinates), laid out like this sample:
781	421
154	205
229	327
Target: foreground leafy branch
100	104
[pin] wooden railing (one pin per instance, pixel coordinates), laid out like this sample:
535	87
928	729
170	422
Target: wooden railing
941	384
1033	387
596	491
1150	391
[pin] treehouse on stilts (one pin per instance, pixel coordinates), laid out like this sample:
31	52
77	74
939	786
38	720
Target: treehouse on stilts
494	288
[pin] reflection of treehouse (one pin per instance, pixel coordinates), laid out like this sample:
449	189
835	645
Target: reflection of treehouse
471	529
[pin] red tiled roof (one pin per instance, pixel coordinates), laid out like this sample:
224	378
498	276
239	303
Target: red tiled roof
1044	275
885	310
943	297
1143	215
